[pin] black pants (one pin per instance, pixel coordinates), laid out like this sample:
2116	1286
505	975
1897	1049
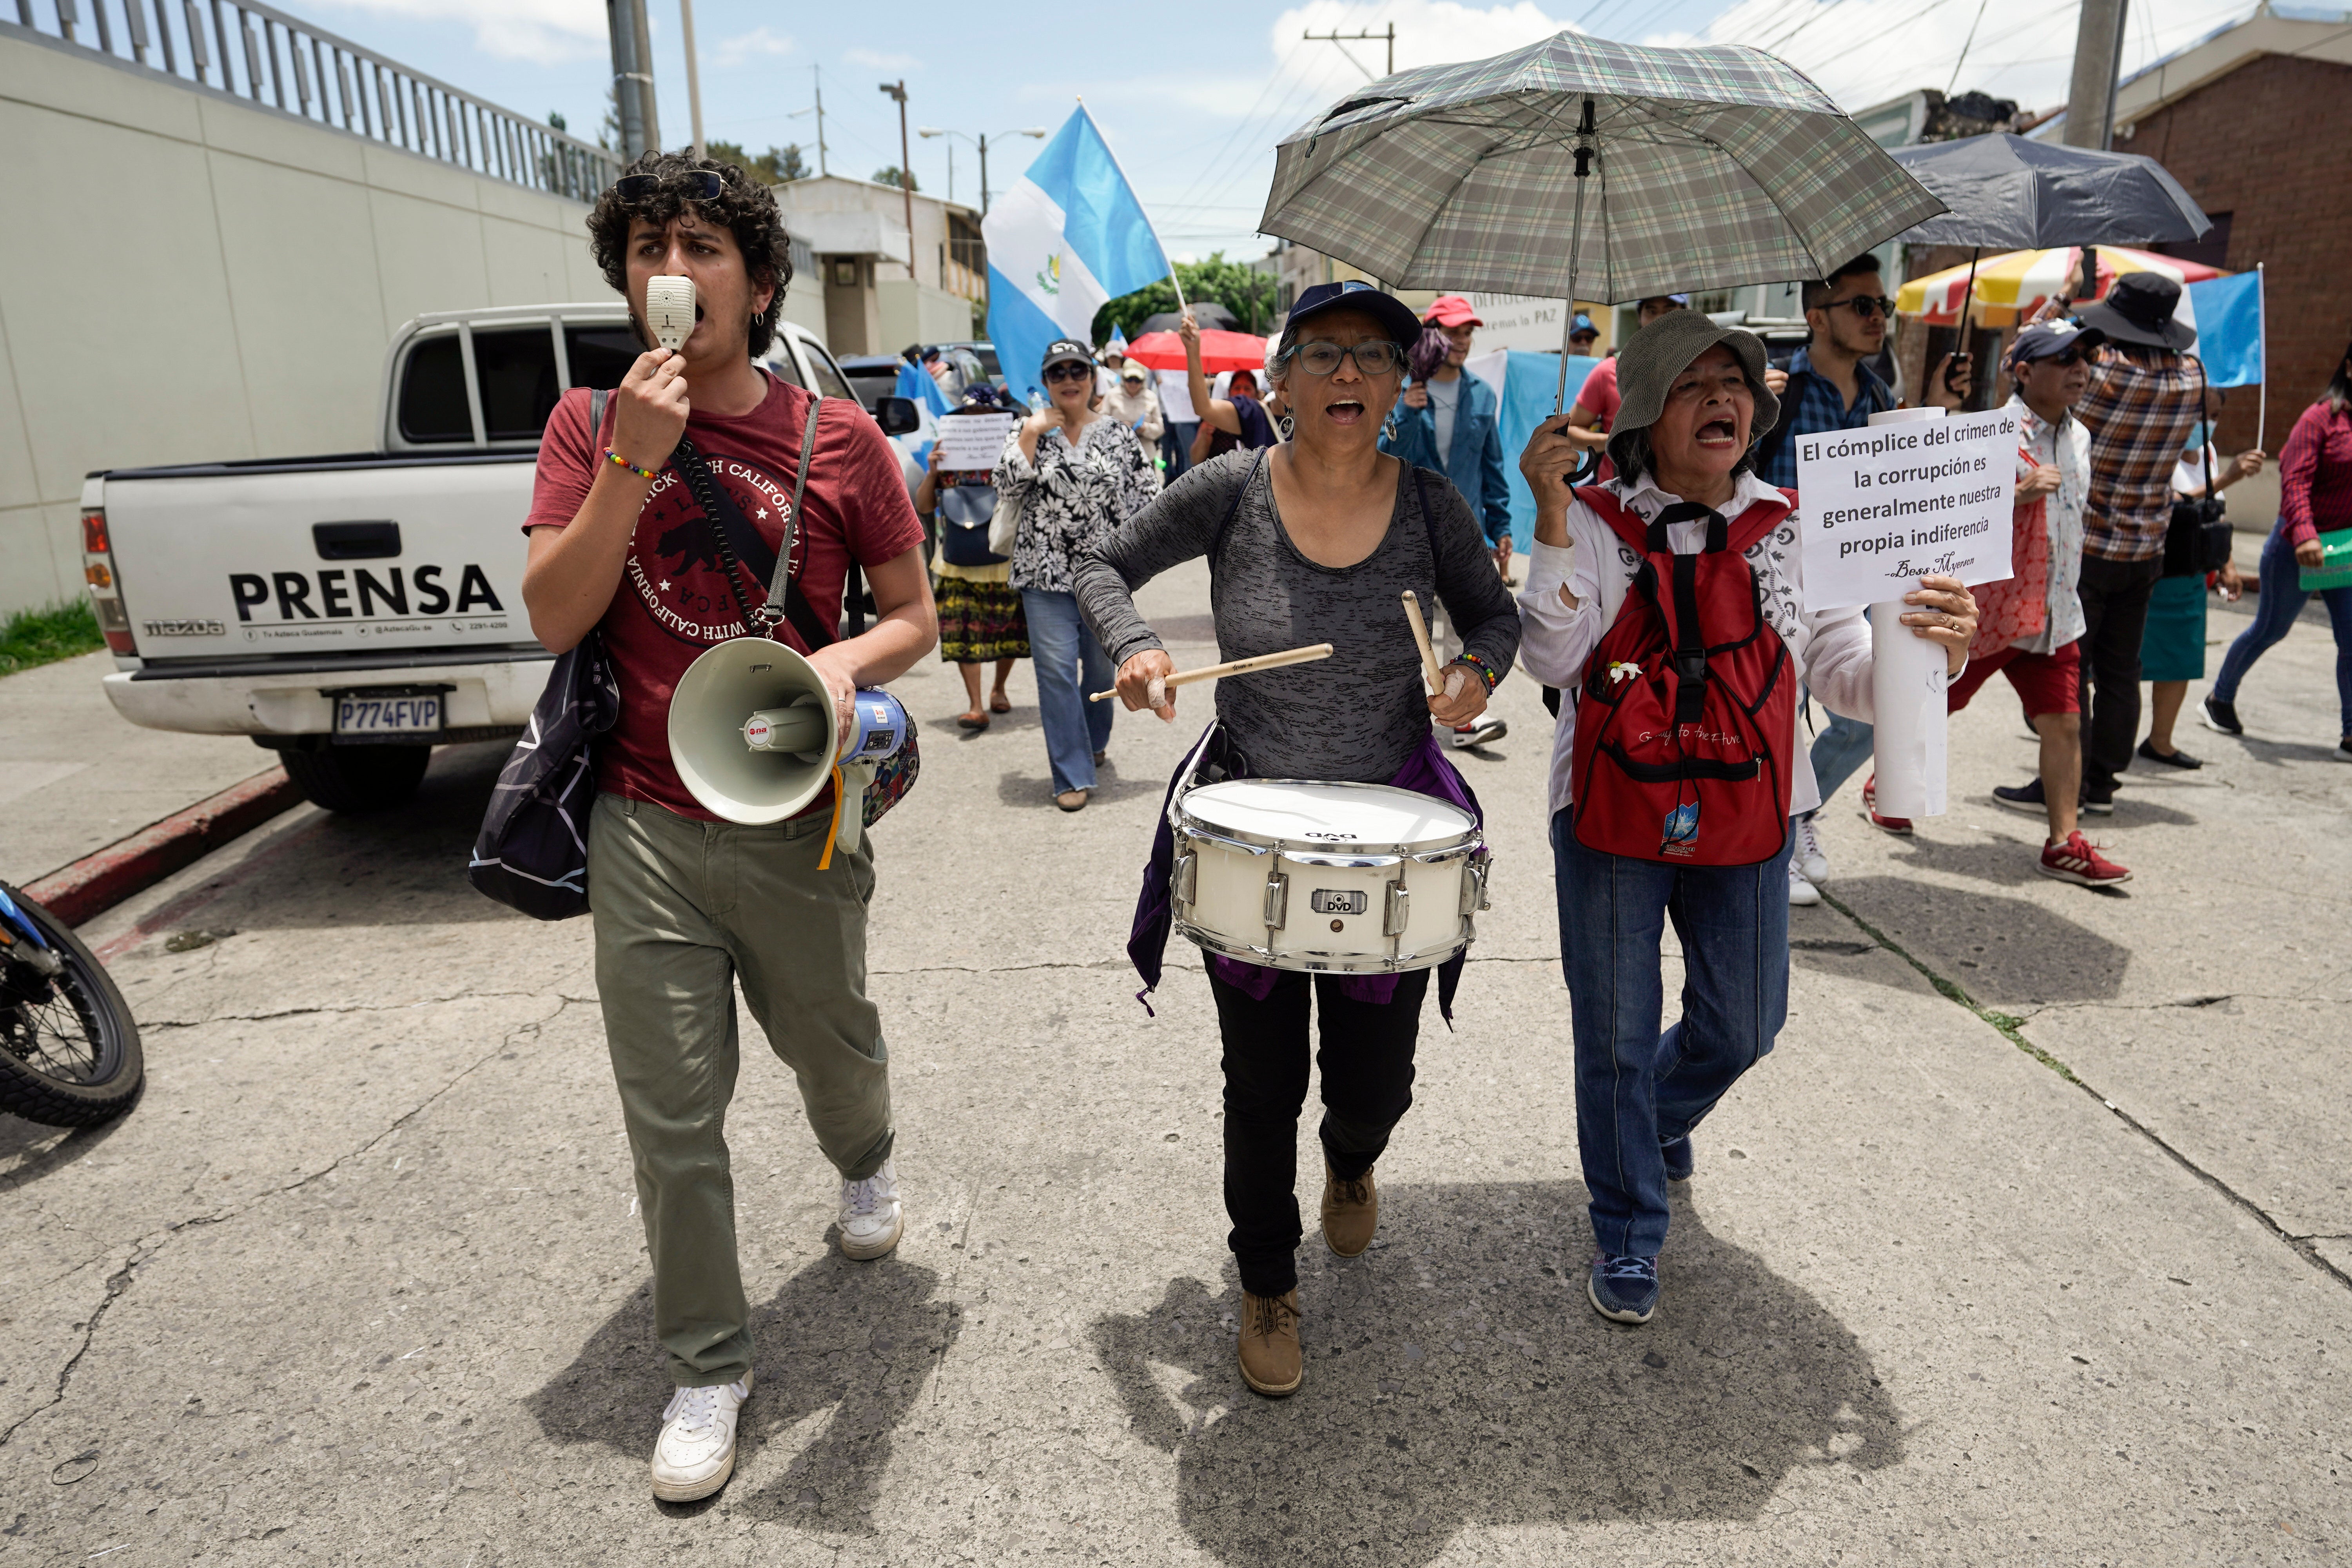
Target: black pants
1365	1057
2115	614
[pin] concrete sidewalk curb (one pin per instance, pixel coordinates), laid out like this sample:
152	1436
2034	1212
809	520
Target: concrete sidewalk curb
98	881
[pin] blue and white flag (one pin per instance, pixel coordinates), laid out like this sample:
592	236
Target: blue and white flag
1117	343
1069	237
2229	318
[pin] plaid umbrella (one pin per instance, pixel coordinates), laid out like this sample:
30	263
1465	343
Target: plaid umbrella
1717	166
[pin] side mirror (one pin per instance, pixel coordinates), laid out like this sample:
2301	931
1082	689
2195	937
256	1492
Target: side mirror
898	415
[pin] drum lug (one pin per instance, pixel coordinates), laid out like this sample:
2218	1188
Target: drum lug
1473	888
1277	900
1399	911
1181	881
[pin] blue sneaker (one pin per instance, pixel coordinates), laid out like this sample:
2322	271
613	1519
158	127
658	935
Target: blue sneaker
1622	1289
1679	1159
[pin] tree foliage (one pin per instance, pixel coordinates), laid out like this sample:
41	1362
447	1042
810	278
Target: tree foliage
892	177
777	165
1245	291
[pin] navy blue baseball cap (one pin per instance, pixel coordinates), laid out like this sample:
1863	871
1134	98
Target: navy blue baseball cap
2048	340
1583	324
1395	317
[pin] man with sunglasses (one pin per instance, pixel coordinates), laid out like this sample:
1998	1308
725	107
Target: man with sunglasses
686	905
1830	386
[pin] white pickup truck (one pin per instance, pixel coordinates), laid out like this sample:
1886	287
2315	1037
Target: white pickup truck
352	612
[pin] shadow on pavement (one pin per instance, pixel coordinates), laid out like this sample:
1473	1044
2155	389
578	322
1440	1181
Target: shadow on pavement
29	1151
1496	1398
1034	790
1991	943
846	1344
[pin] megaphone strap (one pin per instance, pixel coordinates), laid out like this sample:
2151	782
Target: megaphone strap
723	518
832	828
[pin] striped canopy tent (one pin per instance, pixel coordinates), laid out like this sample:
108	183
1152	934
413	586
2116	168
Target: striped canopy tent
2012	286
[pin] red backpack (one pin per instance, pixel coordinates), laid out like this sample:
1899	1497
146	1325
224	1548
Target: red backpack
1688	707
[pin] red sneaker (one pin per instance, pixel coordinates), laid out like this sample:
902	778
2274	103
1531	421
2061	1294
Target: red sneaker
1899	826
2079	860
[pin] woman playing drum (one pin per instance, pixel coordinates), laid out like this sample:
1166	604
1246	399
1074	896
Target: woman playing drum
1313	541
1676	758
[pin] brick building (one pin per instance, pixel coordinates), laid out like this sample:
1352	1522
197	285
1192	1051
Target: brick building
2251	120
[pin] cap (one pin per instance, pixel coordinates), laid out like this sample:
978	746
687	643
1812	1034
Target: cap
2138	310
2048	340
1393	314
1063	349
1134	370
1582	325
1649	361
1451	310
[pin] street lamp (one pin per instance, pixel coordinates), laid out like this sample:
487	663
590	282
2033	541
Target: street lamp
982	142
897	90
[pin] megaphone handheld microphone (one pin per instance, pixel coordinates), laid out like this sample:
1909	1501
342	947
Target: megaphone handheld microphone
669	310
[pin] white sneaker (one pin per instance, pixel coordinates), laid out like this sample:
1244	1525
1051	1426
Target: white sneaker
1482	734
1803	895
871	1219
695	1452
1809	857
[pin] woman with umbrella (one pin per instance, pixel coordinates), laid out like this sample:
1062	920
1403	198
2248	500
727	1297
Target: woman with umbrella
1694	404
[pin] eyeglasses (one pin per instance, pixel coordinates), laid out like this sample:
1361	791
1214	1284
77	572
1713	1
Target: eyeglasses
1375	358
1866	306
1066	370
698	185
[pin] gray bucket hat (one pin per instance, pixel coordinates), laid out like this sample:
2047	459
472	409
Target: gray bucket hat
1652	357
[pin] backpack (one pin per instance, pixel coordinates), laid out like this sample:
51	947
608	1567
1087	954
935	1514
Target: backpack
1687	709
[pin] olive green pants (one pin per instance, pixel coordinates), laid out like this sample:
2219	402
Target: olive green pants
683	909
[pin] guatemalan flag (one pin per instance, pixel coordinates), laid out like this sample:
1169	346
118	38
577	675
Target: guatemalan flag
1069	237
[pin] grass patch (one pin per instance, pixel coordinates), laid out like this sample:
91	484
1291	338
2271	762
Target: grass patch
31	637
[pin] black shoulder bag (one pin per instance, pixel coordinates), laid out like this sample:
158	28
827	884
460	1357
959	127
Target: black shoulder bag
2197	540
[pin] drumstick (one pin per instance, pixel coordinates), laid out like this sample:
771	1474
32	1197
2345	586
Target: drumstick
1421	635
1237	667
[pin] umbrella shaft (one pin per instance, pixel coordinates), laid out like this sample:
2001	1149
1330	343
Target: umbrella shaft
1575	242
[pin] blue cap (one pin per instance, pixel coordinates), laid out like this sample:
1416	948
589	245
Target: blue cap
2048	340
1583	324
1393	314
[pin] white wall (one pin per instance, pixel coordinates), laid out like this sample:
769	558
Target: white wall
187	277
918	313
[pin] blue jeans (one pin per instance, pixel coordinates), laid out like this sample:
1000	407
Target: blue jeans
1840	748
1634	1086
2275	608
1070	664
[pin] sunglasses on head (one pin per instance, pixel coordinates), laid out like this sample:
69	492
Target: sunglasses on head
1068	371
696	184
1866	306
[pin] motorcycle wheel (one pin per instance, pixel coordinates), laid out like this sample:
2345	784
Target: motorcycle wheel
70	1051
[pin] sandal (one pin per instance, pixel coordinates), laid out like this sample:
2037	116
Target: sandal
1000	703
975	720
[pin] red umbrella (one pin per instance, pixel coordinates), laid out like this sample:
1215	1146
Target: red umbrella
1219	350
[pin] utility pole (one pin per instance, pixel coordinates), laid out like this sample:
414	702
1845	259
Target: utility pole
1364	36
897	90
693	77
633	81
2099	58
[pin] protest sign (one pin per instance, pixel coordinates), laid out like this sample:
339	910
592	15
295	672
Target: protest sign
1883	506
971	441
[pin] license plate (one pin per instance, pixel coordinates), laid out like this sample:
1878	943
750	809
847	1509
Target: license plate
362	717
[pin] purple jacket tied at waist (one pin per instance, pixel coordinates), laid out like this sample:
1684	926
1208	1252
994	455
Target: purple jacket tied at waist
1426	772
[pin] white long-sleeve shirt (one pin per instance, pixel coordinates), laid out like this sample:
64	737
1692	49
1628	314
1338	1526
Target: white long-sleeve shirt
1831	647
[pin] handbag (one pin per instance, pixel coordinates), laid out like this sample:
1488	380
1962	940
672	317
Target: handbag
531	853
1004	526
2336	572
967	518
2197	538
728	527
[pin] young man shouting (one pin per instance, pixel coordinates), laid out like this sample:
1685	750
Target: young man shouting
685	904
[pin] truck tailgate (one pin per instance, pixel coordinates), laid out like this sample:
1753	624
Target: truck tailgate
342	557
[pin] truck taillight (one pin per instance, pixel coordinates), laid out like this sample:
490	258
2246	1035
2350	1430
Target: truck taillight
98	570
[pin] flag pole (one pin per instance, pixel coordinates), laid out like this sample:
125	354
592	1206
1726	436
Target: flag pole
2261	342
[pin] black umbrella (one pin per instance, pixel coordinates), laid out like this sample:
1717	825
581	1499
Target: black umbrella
2007	192
1210	315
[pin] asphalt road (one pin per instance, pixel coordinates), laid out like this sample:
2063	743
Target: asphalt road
2027	1245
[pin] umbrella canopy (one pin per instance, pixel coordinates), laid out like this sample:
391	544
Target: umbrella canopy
2010	192
1219	350
1713	167
2011	287
1206	313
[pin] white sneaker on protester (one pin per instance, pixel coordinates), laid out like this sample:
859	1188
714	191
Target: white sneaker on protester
695	1452
1803	895
871	1218
1809	857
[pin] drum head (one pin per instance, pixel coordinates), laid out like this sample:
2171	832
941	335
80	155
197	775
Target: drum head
1303	811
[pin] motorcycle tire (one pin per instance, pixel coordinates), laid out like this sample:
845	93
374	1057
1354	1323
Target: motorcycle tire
70	1058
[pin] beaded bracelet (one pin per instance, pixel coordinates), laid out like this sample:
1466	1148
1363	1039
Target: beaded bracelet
1485	672
619	461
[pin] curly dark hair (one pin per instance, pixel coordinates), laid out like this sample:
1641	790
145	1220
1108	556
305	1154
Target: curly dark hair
745	207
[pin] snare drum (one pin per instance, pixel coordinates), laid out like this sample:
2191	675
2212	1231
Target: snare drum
1347	878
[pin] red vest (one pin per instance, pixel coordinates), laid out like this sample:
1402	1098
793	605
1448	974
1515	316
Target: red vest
1689	705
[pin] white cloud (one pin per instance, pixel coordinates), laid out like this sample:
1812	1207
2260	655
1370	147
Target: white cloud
541	30
758	41
883	62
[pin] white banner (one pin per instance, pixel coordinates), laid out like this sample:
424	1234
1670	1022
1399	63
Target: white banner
1176	396
1881	508
971	441
1515	322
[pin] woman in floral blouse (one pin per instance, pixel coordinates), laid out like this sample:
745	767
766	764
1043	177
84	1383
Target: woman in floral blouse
1075	474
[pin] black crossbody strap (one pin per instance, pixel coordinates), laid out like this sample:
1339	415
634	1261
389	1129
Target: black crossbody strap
728	527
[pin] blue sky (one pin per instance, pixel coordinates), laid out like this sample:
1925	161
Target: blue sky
1193	97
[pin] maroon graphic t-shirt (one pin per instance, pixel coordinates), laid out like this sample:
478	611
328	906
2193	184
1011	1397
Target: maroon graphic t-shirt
673	601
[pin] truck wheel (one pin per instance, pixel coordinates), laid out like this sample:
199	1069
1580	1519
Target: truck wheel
357	778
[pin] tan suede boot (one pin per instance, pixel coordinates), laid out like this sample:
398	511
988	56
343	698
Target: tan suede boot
1272	1363
1351	1213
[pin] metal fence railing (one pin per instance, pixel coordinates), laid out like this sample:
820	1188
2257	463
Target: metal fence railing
262	55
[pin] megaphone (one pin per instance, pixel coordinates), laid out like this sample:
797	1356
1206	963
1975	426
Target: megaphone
670	309
752	734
